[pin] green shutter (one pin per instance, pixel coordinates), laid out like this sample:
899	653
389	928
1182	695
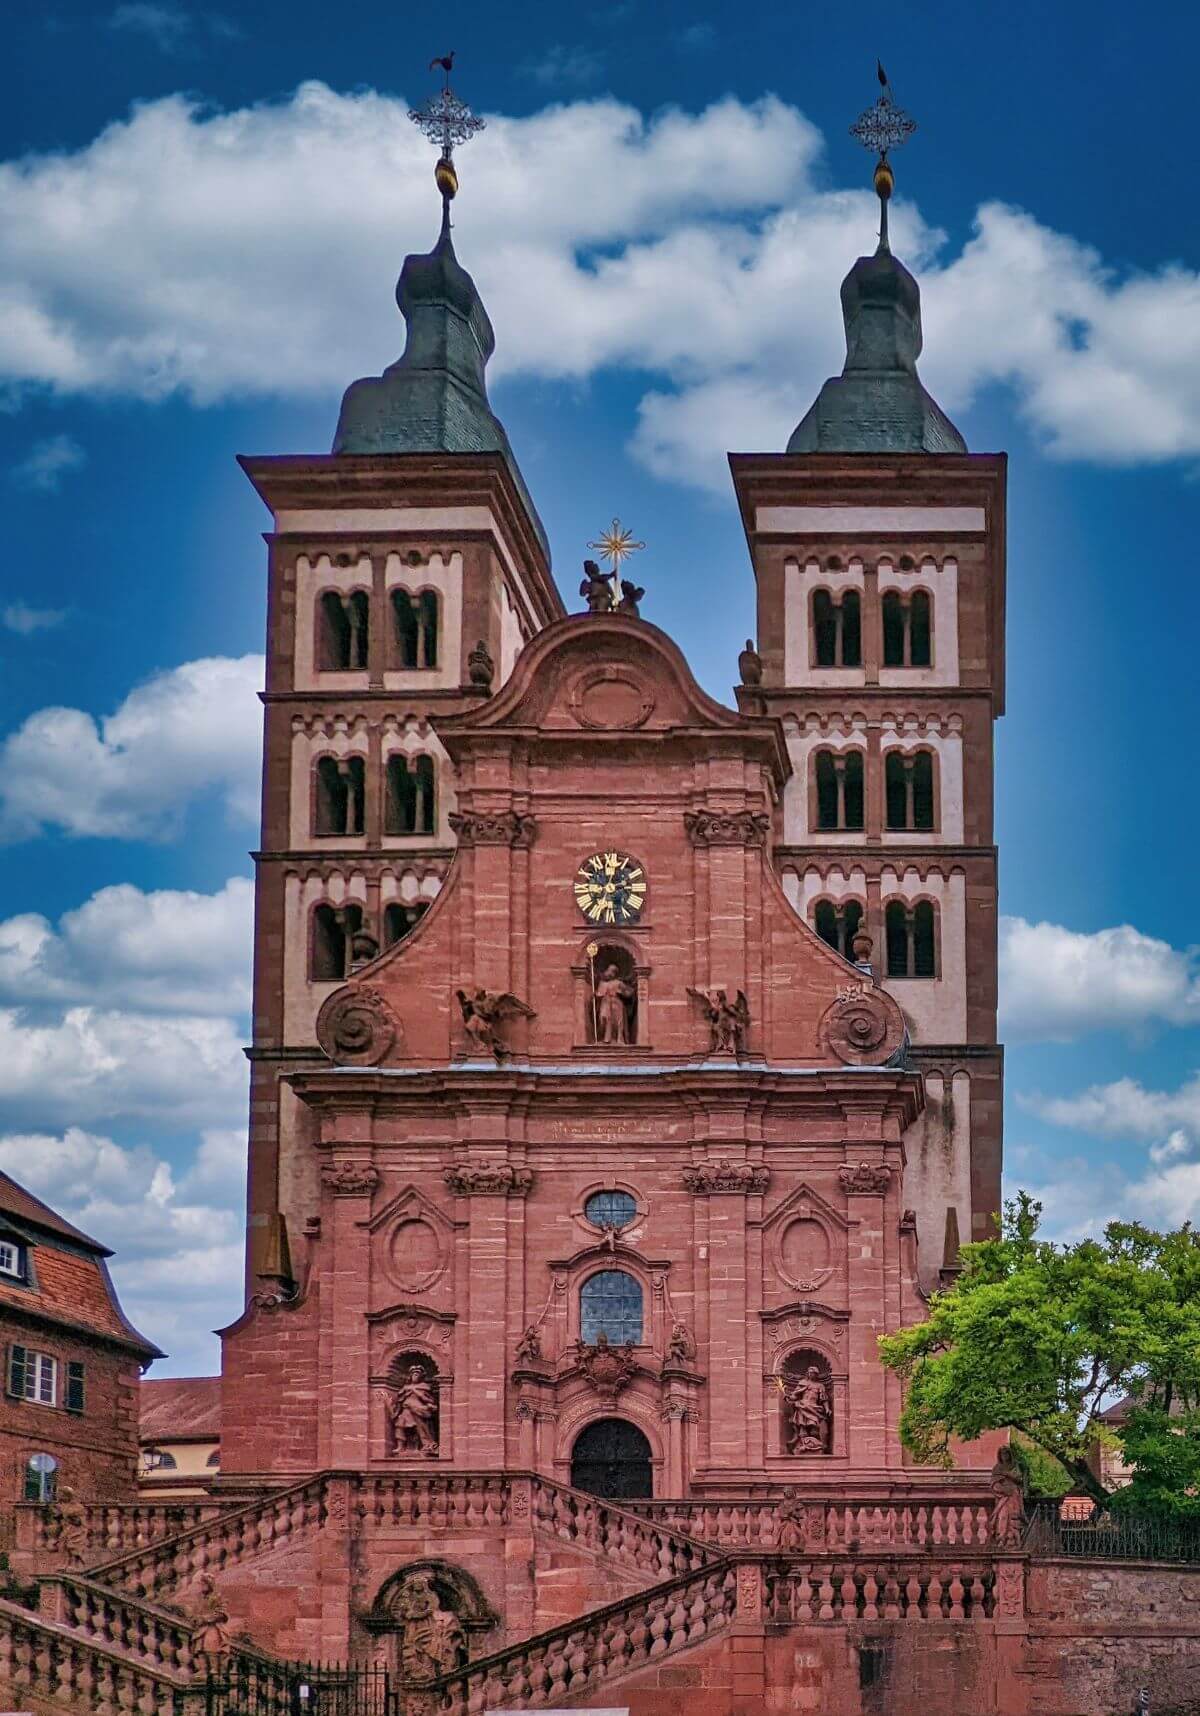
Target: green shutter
74	1400
16	1371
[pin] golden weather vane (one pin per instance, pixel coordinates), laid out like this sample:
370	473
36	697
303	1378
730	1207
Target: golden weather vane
616	544
881	127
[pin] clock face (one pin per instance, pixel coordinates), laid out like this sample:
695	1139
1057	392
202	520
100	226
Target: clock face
610	888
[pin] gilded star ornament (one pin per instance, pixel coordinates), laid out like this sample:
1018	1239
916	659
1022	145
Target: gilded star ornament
616	544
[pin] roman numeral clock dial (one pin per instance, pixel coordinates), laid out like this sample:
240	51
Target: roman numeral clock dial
610	888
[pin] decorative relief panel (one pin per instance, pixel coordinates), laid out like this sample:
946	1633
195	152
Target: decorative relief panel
863	1026
609	698
805	1253
865	1179
505	828
701	1178
414	1256
349	1179
495	1178
726	828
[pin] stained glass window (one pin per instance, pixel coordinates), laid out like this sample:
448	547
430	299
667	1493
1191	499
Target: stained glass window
610	1303
610	1209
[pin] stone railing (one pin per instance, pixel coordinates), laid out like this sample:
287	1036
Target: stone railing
157	1637
616	1533
559	1666
834	1589
821	1524
43	1663
113	1526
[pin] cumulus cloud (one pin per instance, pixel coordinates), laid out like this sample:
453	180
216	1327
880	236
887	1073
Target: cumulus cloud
47	463
1081	1195
1125	1108
130	776
20	618
1057	983
659	244
168	951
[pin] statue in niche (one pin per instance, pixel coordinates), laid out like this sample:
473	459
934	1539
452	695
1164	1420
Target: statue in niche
597	588
808	1413
614	999
727	1020
1008	1509
432	1640
413	1413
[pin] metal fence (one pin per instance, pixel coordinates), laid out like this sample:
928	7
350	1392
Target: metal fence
252	1686
1111	1535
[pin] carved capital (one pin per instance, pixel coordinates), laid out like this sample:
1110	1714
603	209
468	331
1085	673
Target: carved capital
701	1178
866	1179
496	1179
726	828
356	1026
349	1179
505	828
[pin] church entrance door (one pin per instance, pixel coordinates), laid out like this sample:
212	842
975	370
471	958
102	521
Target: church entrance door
611	1458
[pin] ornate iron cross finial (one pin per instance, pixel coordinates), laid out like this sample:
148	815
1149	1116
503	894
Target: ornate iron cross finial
446	121
881	127
616	544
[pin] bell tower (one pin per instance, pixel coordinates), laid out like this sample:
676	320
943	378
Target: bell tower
878	548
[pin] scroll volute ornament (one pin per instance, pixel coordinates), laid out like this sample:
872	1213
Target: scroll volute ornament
863	1026
356	1026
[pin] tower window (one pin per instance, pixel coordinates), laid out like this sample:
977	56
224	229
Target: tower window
400	919
908	779
837	629
410	807
343	636
911	939
907	629
332	930
838	924
610	1304
839	780
339	795
416	628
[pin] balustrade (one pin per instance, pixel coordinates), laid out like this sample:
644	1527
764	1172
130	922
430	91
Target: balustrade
114	1526
818	1523
50	1664
118	1622
841	1590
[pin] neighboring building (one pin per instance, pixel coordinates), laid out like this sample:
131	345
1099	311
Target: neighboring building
179	1434
72	1361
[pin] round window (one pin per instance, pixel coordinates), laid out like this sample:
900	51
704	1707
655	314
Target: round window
610	1209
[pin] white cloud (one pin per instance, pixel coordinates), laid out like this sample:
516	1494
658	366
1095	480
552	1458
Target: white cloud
131	776
1057	983
20	618
47	463
658	244
561	67
167	951
166	26
1126	1109
1081	1195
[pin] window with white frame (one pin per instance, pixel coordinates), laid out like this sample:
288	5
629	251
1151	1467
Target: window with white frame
32	1375
10	1258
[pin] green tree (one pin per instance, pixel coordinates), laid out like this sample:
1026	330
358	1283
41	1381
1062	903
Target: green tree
1041	1338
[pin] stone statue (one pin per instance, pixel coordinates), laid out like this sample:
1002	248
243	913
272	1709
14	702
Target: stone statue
480	666
679	1347
71	1535
727	1020
484	1012
750	664
212	1637
529	1347
597	588
412	1414
614	998
799	1525
1008	1509
810	1415
432	1641
631	595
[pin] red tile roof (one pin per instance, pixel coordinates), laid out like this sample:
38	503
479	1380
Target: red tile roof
180	1409
16	1201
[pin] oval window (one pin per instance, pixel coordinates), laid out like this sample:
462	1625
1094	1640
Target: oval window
610	1209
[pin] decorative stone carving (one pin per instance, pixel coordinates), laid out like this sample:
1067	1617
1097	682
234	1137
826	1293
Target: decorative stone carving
611	699
612	1006
484	1014
356	1026
480	667
1008	1509
502	828
808	1411
727	1020
865	1179
494	1178
726	828
432	1640
799	1525
750	664
349	1179
529	1347
680	1348
1010	1593
862	1026
70	1528
606	1368
596	588
701	1178
212	1636
413	1413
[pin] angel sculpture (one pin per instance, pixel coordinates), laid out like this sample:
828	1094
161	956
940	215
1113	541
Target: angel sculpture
597	588
631	595
727	1020
483	1013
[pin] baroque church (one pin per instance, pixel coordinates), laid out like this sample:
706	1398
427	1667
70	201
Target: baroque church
624	1066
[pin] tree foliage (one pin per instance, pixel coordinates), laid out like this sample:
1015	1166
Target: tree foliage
1042	1338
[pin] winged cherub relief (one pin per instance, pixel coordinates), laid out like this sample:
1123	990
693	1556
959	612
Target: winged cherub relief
484	1013
727	1020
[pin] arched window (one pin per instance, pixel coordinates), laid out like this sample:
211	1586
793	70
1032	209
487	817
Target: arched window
907	629
837	629
332	930
156	1460
416	629
400	919
911	934
410	805
612	1458
343	631
214	1459
614	1209
41	1478
339	795
610	1304
908	779
838	924
839	777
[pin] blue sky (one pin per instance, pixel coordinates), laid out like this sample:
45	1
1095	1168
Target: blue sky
202	216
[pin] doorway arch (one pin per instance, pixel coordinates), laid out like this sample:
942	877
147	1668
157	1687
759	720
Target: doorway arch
612	1458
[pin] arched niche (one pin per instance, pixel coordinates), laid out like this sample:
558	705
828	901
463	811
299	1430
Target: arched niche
609	983
431	1610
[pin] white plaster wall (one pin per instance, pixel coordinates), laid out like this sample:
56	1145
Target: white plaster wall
935	1007
313	576
512	638
302	999
408	886
802	741
444	576
937	1171
336	737
799	583
411	735
904	733
942	584
836	884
